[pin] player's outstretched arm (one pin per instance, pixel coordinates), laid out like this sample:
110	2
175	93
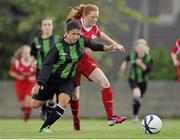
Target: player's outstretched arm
107	39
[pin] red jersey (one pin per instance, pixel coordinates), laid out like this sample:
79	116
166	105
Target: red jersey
21	68
176	47
90	33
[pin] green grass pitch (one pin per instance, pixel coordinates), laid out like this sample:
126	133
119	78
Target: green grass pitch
91	129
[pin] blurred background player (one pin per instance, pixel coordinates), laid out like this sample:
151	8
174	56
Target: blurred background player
58	71
24	74
174	52
87	15
140	66
39	49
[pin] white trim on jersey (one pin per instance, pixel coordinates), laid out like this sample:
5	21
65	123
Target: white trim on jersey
17	64
178	47
87	29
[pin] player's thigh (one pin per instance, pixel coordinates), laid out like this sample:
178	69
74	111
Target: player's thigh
99	77
135	89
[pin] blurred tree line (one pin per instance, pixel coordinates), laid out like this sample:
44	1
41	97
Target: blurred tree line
20	23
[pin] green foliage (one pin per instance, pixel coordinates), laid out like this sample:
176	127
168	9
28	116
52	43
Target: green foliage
20	21
163	65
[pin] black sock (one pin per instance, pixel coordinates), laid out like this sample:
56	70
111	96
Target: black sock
55	115
51	105
136	107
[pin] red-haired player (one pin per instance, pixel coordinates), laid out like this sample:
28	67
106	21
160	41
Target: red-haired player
174	52
87	15
24	74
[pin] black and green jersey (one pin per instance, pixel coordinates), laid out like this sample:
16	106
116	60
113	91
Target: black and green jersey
136	73
62	59
40	48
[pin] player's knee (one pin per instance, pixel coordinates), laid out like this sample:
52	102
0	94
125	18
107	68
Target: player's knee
75	97
136	93
104	83
36	104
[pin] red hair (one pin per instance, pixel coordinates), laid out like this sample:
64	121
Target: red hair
82	9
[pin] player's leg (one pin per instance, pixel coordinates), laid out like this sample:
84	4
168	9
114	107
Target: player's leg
74	104
27	107
63	99
46	108
136	103
28	100
107	96
20	92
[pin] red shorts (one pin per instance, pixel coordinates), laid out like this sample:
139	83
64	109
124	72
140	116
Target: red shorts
85	67
23	89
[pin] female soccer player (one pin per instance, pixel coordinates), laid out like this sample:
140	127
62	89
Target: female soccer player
140	66
174	52
58	71
87	16
39	49
23	73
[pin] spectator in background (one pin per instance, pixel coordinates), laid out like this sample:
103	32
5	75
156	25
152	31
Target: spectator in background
23	72
140	66
174	52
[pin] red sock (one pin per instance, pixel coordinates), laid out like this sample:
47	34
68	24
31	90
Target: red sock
75	111
27	113
107	98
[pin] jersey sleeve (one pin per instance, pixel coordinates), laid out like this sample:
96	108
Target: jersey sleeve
149	65
34	50
45	72
98	32
127	58
176	47
92	45
14	66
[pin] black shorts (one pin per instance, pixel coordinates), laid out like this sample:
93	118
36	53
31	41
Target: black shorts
142	86
55	86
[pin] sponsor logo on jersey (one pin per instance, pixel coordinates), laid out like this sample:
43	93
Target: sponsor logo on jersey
39	46
63	53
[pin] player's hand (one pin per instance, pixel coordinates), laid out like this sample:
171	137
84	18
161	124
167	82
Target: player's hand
138	62
20	77
37	88
120	47
32	78
109	48
88	51
176	62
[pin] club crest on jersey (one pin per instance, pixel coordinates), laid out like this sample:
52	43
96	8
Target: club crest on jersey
93	36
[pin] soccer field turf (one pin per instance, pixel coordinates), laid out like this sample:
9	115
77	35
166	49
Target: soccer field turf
91	129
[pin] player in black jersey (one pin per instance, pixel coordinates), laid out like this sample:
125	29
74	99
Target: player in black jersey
141	64
58	71
39	49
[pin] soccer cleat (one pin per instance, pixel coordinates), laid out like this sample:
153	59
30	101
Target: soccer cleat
77	127
46	130
115	120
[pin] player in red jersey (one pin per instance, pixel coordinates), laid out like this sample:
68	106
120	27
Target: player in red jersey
87	16
24	74
174	52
